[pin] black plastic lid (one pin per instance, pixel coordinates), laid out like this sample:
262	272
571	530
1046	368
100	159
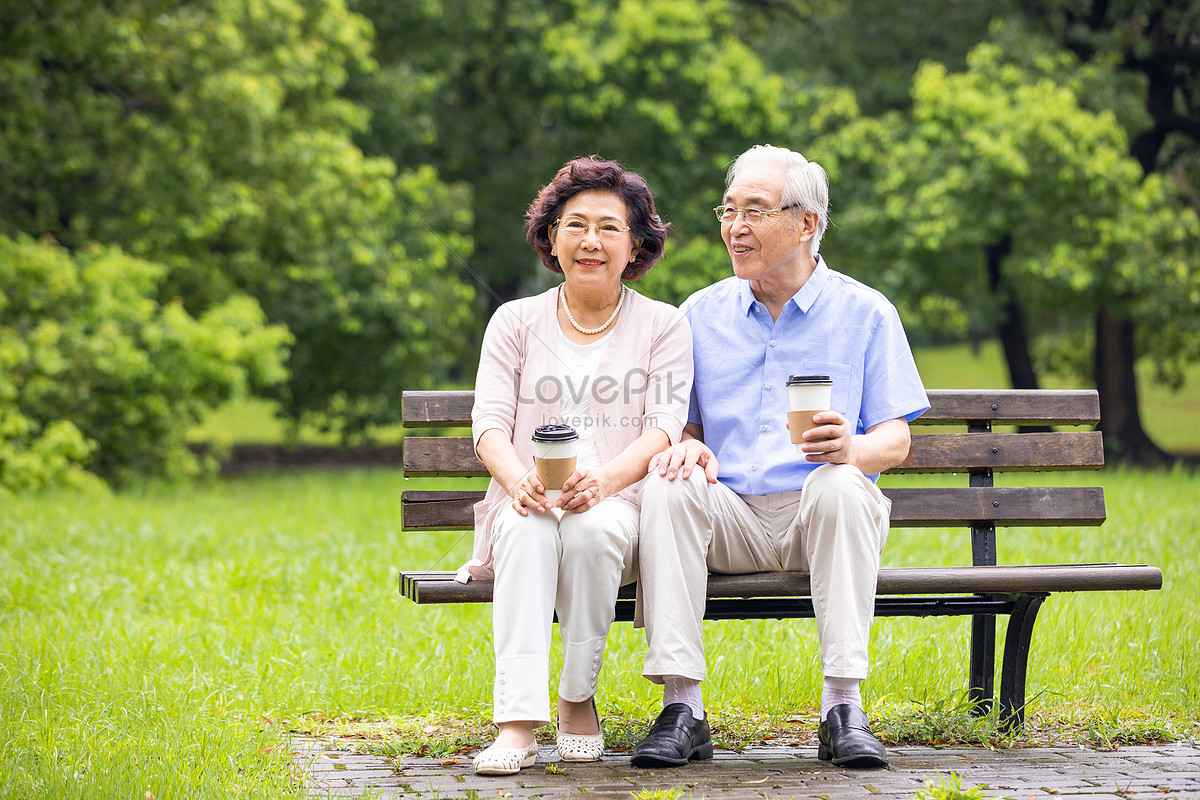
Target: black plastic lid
554	433
801	380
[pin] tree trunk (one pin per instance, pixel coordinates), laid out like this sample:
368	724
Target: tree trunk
1014	335
1120	420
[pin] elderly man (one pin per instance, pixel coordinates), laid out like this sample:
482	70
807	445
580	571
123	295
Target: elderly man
734	496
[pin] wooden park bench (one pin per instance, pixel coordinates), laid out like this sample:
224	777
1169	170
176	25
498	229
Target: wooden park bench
983	589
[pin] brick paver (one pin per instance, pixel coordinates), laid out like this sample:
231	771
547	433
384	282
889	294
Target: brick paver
1129	773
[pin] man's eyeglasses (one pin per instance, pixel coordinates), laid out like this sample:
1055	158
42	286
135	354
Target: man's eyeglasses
577	228
753	216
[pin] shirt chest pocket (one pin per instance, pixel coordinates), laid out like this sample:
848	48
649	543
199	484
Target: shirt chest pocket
843	386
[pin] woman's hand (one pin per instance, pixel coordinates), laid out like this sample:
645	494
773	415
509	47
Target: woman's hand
584	488
528	493
680	459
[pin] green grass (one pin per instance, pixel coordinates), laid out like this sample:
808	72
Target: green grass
949	787
167	641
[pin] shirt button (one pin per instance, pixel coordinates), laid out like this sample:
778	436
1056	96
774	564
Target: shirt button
754	468
763	429
772	343
768	386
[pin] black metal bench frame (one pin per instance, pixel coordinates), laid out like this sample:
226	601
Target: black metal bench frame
983	590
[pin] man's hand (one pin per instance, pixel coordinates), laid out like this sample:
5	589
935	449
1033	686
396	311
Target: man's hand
680	459
882	447
831	442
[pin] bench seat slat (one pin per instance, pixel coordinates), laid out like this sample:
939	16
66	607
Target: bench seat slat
440	586
441	409
429	456
911	508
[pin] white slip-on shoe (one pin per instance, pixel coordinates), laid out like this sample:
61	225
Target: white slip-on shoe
580	746
505	760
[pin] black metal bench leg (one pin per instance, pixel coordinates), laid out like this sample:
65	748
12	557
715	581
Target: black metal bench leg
983	664
1016	659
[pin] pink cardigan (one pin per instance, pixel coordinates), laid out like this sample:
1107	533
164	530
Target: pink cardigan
644	380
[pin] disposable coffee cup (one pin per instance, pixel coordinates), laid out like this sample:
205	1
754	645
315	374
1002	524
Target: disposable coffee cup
807	395
554	450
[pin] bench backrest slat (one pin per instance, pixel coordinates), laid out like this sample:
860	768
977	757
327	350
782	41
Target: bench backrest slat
441	409
428	456
1008	452
1012	406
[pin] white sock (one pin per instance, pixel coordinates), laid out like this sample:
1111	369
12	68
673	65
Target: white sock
838	691
684	690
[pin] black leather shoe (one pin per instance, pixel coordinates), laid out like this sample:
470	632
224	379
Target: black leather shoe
845	738
675	739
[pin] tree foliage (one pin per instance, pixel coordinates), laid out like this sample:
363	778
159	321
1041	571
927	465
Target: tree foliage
667	87
212	138
1004	155
361	167
96	373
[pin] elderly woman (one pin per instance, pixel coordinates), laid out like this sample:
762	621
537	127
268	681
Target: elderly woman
615	366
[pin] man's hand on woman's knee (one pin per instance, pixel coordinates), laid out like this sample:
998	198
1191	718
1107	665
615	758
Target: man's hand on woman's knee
680	459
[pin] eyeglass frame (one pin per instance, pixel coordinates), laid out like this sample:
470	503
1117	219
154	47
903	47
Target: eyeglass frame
745	212
589	225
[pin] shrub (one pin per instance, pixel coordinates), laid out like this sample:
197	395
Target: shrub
97	374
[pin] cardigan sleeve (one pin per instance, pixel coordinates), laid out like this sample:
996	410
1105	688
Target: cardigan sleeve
501	361
669	383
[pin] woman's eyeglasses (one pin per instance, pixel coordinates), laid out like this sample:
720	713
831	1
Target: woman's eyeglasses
577	228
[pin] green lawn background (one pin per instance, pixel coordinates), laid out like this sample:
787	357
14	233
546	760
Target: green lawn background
164	642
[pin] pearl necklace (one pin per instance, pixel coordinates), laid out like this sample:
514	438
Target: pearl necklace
591	331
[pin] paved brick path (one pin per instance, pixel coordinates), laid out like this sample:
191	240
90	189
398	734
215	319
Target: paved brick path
1130	773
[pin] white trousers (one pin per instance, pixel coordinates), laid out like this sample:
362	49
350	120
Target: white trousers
572	564
834	529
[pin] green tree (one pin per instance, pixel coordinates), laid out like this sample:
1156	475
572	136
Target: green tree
96	373
871	47
1157	42
213	138
667	87
1003	202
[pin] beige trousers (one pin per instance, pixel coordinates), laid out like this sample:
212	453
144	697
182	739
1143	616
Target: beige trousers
572	564
834	529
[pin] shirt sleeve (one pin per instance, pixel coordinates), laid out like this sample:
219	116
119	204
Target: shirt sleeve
501	360
892	387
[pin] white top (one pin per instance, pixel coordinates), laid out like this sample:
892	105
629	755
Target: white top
651	344
578	366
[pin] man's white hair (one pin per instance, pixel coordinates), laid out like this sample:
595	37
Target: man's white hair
805	184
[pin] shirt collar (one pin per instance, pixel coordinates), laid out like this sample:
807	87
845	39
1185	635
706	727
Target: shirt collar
747	296
803	299
812	287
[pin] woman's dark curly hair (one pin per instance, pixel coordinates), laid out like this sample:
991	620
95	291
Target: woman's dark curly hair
649	233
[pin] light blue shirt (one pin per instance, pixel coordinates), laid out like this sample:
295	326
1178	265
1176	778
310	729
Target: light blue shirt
833	326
